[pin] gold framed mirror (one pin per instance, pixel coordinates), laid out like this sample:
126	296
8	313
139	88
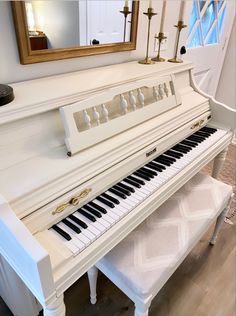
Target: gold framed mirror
43	33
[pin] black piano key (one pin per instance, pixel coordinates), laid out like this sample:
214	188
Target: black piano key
200	136
157	164
139	181
148	171
104	201
71	226
173	153
171	159
61	232
118	193
154	167
127	187
135	184
122	190
93	211
189	143
110	198
203	134
142	176
98	207
163	161
208	129
195	138
78	221
162	158
182	149
86	214
185	147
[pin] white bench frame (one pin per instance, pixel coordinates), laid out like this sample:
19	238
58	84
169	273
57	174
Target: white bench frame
142	304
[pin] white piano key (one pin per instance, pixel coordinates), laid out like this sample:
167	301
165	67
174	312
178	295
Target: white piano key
101	220
118	210
78	243
148	186
122	201
108	209
84	231
142	193
93	226
68	243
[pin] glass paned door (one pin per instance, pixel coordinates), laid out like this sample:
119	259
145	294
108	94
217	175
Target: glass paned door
206	22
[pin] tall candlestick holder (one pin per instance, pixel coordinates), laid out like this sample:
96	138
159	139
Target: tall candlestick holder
179	26
160	38
147	60
126	12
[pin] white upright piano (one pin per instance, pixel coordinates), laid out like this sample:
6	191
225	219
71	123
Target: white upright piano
72	146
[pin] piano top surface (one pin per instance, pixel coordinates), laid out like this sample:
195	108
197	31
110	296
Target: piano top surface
40	95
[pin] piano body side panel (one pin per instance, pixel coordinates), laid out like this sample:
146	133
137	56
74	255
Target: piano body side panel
25	255
222	115
15	294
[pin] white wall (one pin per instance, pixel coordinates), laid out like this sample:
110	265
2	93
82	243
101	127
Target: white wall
12	71
59	20
226	92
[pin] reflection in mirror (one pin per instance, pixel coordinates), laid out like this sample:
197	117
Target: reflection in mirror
63	24
53	30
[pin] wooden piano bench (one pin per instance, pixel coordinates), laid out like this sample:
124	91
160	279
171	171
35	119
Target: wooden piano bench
143	262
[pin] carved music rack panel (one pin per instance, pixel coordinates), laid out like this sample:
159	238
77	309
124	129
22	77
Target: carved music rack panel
93	120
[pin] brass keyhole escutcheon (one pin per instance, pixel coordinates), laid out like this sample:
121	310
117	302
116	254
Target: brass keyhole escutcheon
73	201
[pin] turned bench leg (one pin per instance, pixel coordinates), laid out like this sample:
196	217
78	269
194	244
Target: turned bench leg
142	307
92	277
218	163
55	309
220	221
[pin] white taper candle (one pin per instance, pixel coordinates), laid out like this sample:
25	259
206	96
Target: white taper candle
126	3
163	14
150	4
182	10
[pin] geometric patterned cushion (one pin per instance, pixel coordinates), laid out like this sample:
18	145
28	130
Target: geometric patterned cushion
146	258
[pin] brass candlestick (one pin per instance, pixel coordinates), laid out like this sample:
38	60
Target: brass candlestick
147	60
160	38
179	26
126	12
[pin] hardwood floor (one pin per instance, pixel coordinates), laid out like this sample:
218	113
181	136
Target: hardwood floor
204	284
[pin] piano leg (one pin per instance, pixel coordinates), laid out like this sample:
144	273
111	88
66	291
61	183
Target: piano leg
220	221
92	277
218	163
55	309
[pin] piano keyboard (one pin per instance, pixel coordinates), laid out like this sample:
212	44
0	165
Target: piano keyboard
89	222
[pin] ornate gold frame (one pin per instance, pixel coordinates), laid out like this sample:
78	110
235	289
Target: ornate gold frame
27	56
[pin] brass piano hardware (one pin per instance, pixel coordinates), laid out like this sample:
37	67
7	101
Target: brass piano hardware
197	124
74	201
60	208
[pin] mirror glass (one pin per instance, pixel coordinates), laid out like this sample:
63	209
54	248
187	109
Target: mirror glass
66	24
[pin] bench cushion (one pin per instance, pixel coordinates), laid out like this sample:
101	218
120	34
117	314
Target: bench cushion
146	258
